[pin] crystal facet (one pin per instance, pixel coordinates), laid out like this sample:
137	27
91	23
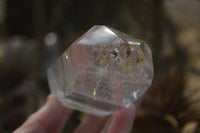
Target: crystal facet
102	72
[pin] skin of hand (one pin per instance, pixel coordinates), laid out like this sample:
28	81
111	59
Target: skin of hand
52	117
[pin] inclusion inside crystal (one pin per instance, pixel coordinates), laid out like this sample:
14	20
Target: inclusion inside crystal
102	72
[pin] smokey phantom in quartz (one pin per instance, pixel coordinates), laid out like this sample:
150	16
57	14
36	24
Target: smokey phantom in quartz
102	72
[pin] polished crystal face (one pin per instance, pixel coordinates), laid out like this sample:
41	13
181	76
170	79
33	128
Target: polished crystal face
102	72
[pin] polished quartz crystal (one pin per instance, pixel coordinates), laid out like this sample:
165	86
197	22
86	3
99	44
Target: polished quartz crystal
102	72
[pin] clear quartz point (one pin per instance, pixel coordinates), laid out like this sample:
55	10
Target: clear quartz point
102	72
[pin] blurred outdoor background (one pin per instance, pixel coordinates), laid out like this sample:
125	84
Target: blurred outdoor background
33	33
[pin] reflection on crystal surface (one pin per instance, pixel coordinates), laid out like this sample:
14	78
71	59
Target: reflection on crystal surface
102	72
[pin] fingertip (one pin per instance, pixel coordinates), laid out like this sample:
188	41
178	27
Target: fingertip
52	99
51	117
122	121
54	104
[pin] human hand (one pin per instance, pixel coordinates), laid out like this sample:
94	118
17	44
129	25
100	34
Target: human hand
52	117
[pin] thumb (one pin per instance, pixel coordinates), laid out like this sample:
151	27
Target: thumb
51	118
